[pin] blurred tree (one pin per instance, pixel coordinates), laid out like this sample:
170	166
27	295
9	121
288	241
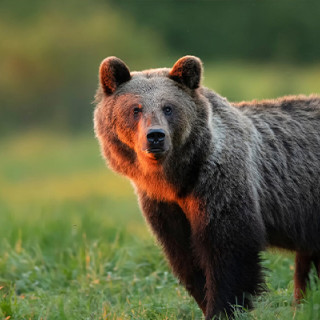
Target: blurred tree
50	50
283	31
50	54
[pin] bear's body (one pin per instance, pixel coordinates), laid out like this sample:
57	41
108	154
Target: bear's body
217	182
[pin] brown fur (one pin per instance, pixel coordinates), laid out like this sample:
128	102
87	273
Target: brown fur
218	182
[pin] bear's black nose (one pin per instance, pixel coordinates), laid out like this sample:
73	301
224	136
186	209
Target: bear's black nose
156	136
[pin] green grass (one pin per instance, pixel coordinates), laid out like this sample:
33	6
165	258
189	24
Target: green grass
73	242
74	245
88	254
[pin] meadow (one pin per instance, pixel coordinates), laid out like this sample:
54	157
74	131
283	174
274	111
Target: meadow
74	244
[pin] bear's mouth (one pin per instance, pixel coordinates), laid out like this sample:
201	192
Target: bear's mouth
155	150
155	153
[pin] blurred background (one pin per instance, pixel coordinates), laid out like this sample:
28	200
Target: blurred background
59	204
51	50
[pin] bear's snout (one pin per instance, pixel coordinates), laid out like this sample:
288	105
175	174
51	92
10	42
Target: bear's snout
156	144
156	137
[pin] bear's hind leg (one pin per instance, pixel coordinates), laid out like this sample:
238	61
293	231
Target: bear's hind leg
301	275
316	261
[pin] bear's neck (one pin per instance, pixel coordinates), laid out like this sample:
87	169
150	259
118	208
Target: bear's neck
156	186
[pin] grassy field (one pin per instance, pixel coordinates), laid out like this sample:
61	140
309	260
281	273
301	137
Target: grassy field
74	245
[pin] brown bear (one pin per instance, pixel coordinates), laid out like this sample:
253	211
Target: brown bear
218	182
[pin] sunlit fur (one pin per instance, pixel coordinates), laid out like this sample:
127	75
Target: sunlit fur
237	177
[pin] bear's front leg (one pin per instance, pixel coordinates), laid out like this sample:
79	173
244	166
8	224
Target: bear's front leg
228	245
172	230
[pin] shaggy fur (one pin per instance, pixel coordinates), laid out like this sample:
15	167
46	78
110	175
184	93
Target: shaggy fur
218	182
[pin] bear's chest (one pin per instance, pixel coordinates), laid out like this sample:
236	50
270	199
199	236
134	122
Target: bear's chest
157	187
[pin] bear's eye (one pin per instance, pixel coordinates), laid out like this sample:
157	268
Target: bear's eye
167	110
136	111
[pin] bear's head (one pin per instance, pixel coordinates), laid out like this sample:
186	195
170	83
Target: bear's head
146	117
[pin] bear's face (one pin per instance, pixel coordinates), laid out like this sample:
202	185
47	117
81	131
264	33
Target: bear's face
149	113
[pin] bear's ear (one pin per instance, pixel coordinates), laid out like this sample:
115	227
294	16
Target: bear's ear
187	70
112	73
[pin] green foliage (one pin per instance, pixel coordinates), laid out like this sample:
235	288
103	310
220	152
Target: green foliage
283	31
51	50
50	58
74	248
